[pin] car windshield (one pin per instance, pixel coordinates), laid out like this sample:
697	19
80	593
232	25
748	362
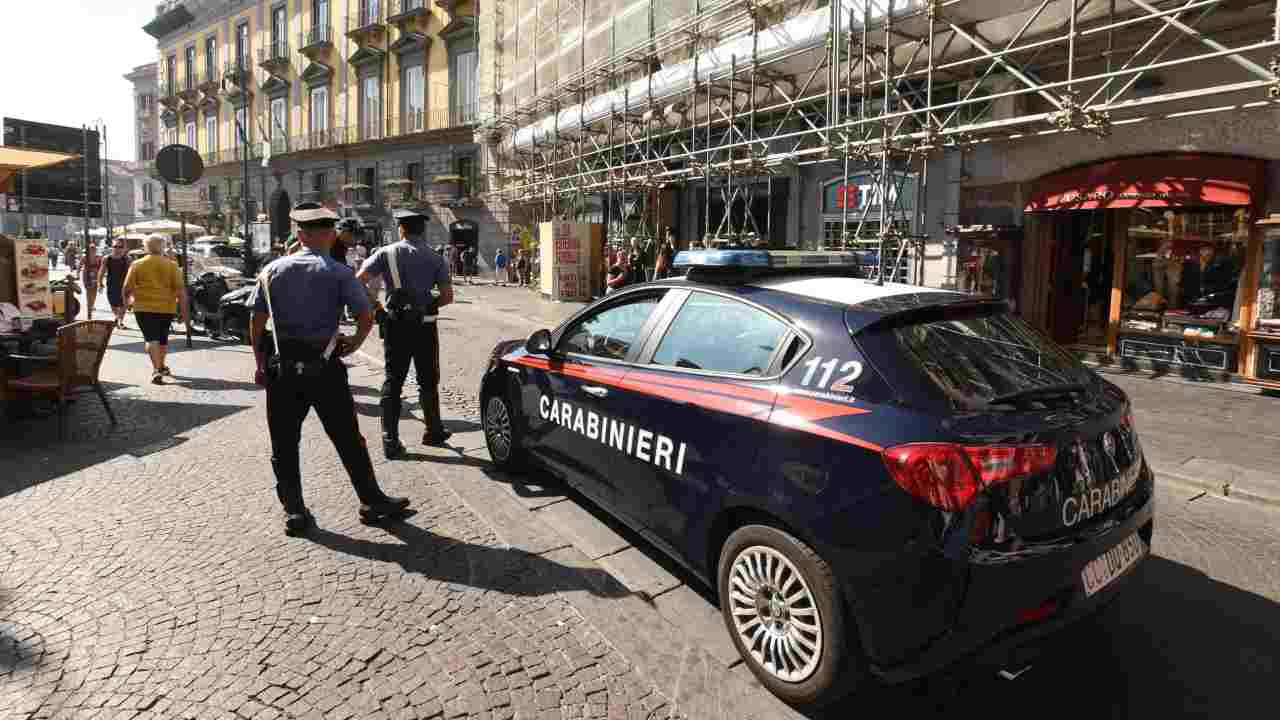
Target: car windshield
984	358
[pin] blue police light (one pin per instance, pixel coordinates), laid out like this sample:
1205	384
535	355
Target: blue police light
775	259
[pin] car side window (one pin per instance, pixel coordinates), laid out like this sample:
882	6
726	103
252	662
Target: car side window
719	334
611	332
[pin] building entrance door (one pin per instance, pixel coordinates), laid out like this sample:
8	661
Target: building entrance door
1081	286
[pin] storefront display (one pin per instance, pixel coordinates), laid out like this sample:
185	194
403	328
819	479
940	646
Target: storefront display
1147	258
1265	332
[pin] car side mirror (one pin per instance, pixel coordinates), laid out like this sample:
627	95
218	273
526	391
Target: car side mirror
539	343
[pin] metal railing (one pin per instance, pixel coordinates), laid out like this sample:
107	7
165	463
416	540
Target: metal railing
369	15
463	113
404	7
236	69
315	36
273	52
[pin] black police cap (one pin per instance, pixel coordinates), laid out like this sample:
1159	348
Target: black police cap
410	216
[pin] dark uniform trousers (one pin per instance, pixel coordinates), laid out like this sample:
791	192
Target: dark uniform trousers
288	402
406	341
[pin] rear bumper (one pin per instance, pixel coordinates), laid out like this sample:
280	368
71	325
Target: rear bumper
988	632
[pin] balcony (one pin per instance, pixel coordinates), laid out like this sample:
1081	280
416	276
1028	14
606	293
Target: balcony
237	71
412	122
316	39
463	114
274	56
368	24
403	11
208	80
190	89
168	92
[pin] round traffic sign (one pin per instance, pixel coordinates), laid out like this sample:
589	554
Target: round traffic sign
179	164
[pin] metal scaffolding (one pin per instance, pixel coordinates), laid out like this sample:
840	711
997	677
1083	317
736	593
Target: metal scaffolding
738	93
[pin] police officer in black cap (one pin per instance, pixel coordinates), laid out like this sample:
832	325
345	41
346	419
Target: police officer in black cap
410	270
303	294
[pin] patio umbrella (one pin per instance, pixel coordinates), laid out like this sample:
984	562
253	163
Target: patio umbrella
15	160
164	226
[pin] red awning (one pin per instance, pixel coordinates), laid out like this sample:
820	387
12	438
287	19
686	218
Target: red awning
1150	181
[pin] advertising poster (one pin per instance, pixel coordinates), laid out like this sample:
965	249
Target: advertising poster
566	242
31	263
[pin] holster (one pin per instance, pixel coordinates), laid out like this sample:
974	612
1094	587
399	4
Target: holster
296	361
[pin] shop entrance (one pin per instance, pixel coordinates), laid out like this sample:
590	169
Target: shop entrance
1080	291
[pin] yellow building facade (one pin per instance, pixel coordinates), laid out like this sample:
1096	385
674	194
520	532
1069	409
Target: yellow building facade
363	105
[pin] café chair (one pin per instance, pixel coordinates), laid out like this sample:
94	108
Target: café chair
71	371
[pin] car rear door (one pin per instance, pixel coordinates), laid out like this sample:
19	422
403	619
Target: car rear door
700	401
568	396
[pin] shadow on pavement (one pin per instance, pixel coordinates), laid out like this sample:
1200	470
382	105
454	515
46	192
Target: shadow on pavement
509	571
192	382
1175	644
32	453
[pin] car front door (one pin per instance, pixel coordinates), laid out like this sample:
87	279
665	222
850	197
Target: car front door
702	391
571	395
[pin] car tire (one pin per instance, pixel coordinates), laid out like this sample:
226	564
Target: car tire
800	645
501	431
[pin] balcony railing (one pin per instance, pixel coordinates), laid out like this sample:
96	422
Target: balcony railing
463	114
207	79
400	10
316	37
274	53
237	71
370	17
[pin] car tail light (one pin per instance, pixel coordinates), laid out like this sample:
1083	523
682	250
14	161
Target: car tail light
949	476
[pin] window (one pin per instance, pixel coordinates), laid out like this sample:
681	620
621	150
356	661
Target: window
976	358
171	74
148	196
210	58
320	182
718	334
191	136
279	33
466	170
611	332
278	131
413	106
191	67
319	116
144	102
213	196
211	134
370	107
463	82
320	13
242	45
413	173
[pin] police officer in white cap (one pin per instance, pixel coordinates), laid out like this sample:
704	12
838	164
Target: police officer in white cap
410	271
303	294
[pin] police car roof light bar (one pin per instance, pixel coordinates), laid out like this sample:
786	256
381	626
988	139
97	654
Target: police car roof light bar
731	259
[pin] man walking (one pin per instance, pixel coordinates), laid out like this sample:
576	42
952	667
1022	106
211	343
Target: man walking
410	270
303	294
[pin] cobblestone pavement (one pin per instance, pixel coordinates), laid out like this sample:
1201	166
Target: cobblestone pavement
143	573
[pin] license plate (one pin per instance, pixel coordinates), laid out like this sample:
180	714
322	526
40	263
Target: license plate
1112	564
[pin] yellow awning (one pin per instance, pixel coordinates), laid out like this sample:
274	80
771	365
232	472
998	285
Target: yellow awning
15	160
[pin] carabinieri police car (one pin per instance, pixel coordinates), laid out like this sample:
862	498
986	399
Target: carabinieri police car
877	479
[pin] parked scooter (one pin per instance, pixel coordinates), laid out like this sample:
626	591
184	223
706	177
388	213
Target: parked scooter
57	289
203	296
234	310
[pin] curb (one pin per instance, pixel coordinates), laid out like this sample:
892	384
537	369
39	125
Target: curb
1226	490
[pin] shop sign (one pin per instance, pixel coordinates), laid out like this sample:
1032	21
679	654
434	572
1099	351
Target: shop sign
862	192
1149	181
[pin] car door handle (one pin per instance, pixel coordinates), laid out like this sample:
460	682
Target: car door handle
595	390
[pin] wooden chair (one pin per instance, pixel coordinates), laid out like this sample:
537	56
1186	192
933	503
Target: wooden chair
72	371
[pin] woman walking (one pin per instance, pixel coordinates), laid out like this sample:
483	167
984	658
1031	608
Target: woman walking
153	287
111	274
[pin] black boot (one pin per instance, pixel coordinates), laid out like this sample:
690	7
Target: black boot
298	523
391	445
435	433
385	508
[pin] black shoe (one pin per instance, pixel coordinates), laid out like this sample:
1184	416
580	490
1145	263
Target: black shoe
436	438
392	448
296	524
388	507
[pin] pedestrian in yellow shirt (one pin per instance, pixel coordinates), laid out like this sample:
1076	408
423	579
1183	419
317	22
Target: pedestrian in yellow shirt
153	288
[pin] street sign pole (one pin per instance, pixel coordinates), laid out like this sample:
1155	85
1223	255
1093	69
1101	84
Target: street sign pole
186	284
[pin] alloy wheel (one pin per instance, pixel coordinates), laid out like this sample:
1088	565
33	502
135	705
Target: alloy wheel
497	428
775	614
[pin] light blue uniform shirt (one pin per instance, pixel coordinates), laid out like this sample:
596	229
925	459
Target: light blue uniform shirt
308	292
420	267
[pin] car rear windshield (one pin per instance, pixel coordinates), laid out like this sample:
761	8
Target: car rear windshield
978	358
